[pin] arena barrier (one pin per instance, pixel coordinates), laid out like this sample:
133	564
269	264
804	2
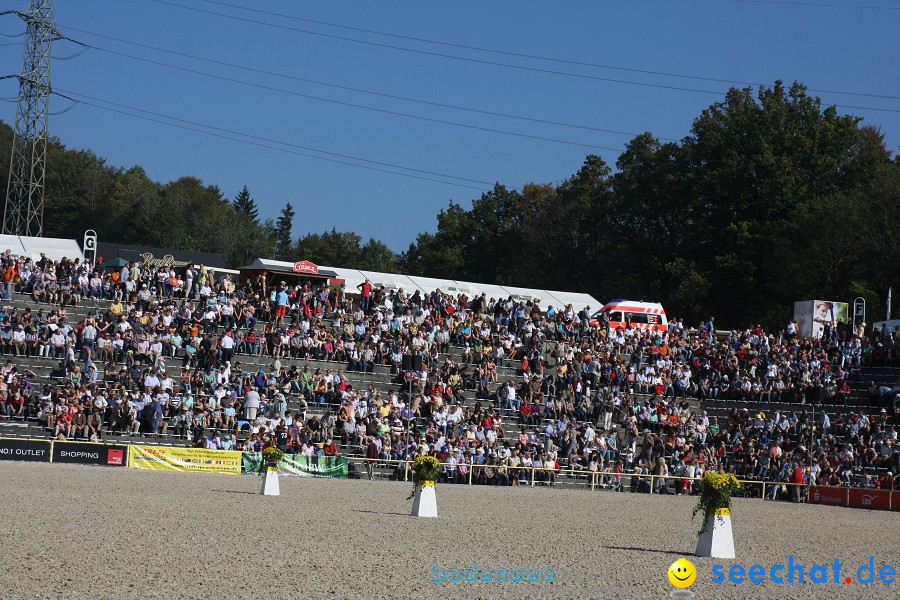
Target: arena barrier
89	453
195	460
171	458
855	497
25	449
301	466
838	496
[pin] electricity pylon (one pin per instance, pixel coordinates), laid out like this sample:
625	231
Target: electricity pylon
24	210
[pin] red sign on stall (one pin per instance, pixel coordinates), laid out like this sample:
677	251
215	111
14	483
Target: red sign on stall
871	499
304	266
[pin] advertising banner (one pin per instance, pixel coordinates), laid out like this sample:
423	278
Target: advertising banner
871	499
89	453
185	459
19	449
300	466
834	496
813	315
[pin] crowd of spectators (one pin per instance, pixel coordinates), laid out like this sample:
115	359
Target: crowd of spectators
505	385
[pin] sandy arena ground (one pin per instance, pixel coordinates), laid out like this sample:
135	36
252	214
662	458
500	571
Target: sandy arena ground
93	532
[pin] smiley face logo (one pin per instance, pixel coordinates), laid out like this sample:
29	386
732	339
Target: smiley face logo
682	573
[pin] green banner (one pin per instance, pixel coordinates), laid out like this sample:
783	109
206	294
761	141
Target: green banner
299	465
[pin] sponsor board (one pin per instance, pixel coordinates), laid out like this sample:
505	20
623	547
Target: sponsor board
834	496
89	453
30	450
301	466
185	459
871	499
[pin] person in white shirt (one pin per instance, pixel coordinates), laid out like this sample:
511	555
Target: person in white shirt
19	340
151	381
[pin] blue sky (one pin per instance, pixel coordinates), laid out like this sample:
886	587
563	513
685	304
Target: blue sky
840	45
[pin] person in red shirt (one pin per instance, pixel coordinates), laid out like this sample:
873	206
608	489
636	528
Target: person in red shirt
797	477
330	448
63	424
525	414
365	290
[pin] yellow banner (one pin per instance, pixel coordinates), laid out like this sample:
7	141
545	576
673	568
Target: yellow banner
185	459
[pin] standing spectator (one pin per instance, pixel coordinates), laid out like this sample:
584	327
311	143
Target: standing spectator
365	291
281	300
372	452
251	404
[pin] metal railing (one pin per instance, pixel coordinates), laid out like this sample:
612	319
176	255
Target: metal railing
595	477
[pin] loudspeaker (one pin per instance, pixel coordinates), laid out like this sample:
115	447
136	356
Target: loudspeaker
412	362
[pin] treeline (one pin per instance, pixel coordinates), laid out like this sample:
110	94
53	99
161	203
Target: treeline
768	200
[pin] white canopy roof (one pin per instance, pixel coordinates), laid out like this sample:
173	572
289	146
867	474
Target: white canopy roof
31	247
410	283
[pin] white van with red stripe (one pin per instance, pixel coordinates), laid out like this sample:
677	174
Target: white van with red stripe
643	315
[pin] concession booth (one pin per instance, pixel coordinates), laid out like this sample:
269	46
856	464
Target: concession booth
292	273
146	256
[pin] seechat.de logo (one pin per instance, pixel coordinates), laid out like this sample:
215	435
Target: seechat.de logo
682	574
791	572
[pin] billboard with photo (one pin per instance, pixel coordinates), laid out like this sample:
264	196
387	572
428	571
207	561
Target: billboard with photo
813	315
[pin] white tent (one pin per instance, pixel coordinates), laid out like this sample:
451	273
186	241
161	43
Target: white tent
390	281
492	291
429	284
13	243
525	294
411	283
31	247
461	288
351	277
578	301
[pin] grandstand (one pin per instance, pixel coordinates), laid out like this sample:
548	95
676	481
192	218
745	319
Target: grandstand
858	402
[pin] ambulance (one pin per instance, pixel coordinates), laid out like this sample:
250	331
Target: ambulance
643	315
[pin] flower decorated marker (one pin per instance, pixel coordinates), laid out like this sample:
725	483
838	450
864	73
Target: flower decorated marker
716	538
269	468
425	472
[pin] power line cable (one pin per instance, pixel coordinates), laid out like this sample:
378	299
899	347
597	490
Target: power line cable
76	55
67	109
510	53
273	141
80	98
817	4
353	105
359	90
430	53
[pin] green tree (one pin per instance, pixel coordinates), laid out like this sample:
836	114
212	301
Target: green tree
376	256
244	204
283	227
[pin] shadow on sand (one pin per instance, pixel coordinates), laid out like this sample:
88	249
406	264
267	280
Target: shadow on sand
381	512
648	550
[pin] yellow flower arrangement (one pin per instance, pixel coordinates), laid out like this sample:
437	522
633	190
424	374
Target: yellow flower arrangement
425	468
716	490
